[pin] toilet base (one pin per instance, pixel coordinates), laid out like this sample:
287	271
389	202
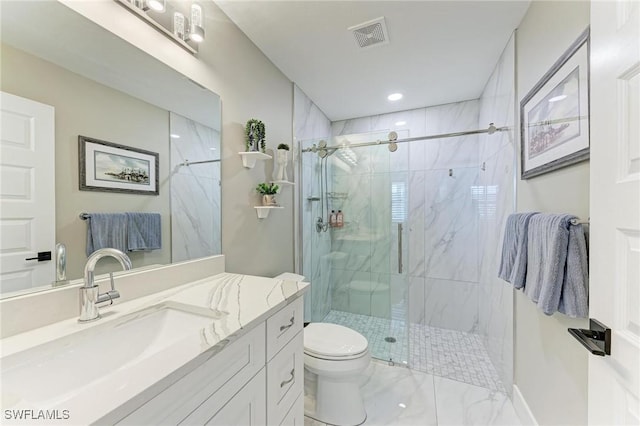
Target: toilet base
333	401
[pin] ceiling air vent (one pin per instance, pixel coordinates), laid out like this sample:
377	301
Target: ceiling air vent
371	33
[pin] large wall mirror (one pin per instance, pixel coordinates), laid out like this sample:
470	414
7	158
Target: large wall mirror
101	87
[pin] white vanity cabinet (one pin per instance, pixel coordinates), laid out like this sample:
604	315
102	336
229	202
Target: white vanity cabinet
255	380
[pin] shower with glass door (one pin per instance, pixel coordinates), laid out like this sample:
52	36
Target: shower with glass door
403	269
356	266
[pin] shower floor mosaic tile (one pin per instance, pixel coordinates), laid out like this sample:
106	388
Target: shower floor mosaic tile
453	354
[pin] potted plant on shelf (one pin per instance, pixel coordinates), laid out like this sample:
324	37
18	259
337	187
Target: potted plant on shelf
268	192
282	157
254	133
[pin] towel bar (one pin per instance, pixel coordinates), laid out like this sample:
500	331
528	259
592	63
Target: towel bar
579	221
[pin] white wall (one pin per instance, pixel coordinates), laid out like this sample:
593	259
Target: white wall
250	86
550	366
115	118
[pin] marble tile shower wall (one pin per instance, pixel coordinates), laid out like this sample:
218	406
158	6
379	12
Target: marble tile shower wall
440	279
498	153
311	125
195	190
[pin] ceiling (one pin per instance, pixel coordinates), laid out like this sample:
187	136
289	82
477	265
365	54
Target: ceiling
438	51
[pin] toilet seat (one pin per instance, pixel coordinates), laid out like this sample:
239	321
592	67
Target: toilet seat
333	342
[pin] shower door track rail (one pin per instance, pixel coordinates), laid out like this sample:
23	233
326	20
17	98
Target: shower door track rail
490	130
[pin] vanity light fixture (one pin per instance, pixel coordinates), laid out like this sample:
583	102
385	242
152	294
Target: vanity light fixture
196	30
156	5
395	96
178	25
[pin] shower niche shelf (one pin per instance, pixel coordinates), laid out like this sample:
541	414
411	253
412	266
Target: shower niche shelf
263	211
249	158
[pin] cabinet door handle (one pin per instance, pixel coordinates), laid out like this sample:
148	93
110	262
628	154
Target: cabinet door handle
291	322
293	376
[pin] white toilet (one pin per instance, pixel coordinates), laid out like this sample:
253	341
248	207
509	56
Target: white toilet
334	358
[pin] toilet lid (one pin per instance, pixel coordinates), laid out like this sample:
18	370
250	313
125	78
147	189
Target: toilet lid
332	340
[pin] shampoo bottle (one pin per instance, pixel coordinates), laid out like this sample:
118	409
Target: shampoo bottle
333	219
339	219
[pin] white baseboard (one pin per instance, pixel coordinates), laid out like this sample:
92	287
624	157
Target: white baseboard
522	408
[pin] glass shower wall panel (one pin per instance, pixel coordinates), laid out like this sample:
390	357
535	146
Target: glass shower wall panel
316	246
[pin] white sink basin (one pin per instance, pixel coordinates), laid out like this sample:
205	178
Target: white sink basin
77	361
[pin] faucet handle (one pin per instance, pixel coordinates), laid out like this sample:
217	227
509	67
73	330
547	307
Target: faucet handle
108	296
113	286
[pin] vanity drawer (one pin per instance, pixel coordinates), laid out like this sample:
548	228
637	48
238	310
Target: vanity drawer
232	367
227	408
283	325
285	378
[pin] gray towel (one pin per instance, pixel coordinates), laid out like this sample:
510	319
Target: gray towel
513	263
575	289
547	270
106	230
143	231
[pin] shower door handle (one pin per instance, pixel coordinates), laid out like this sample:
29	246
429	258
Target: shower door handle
400	248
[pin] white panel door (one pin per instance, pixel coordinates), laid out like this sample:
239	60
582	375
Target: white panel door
614	299
27	192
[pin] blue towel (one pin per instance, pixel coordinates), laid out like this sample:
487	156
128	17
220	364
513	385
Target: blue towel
513	264
575	289
143	231
556	272
106	230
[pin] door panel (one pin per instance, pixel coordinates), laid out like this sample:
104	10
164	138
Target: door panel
614	381
27	192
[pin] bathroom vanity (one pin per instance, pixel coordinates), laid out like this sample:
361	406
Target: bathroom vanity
224	350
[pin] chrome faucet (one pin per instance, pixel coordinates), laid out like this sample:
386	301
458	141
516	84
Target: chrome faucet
89	293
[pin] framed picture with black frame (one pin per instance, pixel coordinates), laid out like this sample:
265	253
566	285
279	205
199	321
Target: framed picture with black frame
554	115
111	167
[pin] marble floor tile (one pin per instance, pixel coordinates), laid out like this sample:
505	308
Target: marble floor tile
453	354
463	404
400	396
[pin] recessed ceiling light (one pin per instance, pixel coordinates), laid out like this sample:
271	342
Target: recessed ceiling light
558	98
400	123
175	136
395	96
401	405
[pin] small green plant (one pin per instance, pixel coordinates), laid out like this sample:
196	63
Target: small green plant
255	134
267	188
283	146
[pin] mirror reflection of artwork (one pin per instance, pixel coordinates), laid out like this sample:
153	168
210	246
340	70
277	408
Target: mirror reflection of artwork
554	120
121	168
107	166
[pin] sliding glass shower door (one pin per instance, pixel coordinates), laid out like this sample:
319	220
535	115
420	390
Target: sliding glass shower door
367	251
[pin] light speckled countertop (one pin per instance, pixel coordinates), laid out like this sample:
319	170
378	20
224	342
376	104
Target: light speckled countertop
236	303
